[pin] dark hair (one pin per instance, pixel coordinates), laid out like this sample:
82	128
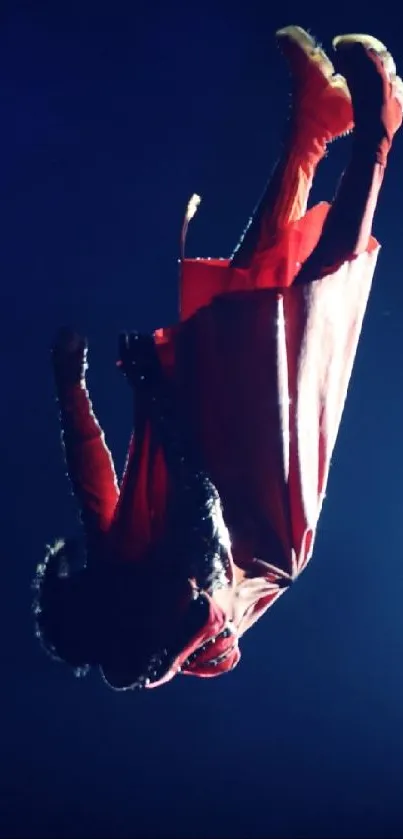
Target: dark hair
133	619
98	616
60	608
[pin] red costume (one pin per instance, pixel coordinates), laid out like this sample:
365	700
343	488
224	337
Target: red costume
262	364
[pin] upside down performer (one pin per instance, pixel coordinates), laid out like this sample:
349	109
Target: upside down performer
237	407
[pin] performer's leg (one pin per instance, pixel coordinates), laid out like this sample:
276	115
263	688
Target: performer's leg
377	96
321	111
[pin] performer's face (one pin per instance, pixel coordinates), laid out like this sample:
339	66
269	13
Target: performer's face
163	626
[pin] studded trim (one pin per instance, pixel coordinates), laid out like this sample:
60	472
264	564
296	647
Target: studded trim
213	662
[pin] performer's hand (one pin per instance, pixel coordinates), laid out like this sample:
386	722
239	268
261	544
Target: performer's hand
69	357
138	360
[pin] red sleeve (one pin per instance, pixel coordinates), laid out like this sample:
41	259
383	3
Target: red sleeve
89	462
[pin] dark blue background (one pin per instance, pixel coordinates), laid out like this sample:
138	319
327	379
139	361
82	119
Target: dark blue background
111	116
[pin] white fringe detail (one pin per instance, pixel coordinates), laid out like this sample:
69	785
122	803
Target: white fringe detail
192	206
191	211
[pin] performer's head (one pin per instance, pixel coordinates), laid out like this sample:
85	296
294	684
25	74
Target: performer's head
115	616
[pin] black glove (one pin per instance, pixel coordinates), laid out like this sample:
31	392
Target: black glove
138	361
69	357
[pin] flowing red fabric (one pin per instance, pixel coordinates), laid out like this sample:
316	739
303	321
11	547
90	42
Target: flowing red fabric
263	367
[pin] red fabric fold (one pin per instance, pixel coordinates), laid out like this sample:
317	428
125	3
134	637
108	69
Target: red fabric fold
262	367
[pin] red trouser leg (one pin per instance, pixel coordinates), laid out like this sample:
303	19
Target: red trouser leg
285	198
377	108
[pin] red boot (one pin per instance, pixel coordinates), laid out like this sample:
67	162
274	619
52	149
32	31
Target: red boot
376	90
321	105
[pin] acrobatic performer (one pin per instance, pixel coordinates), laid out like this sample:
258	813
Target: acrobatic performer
237	407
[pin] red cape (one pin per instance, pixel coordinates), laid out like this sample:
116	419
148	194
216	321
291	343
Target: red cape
263	368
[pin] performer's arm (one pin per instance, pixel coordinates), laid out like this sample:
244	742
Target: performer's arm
89	462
